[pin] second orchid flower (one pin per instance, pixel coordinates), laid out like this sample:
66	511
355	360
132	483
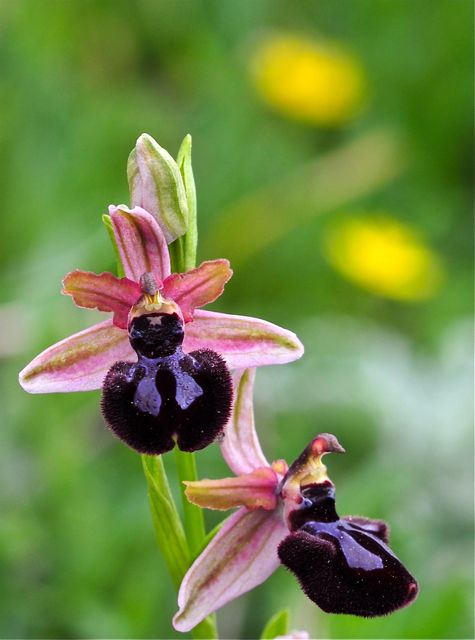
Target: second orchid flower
287	516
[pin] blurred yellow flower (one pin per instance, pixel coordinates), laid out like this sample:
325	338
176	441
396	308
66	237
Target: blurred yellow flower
384	256
307	79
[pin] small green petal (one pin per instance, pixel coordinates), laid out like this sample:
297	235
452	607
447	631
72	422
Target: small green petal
186	252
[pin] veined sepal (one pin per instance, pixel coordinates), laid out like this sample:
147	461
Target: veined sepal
277	625
241	556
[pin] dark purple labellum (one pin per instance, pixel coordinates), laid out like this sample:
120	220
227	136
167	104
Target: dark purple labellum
344	564
167	396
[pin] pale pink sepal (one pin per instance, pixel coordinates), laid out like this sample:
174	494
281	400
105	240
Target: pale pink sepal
251	490
104	292
241	556
78	363
197	287
140	241
242	341
240	446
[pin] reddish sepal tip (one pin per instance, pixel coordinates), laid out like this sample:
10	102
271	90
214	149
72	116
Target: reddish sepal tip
325	443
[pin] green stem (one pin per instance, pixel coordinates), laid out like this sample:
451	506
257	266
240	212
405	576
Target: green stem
169	530
177	255
194	521
195	533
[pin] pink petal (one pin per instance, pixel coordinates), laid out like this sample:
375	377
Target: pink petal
242	341
251	490
240	447
104	292
140	241
197	287
241	556
77	363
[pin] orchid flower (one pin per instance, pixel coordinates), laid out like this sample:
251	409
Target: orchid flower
287	515
81	361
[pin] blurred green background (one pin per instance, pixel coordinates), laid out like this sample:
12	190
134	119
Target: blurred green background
391	376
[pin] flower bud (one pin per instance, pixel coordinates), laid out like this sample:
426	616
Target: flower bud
156	185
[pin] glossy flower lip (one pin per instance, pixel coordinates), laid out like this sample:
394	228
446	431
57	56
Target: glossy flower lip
308	79
347	569
171	399
286	515
80	362
384	256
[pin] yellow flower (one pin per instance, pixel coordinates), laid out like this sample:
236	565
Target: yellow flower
307	79
384	256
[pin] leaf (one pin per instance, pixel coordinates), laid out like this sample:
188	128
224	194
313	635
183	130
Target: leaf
278	625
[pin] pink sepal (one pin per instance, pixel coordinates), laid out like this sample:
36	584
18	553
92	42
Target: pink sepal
104	292
140	241
251	490
242	341
77	363
240	446
197	287
241	556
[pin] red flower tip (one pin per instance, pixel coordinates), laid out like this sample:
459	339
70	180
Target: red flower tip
325	443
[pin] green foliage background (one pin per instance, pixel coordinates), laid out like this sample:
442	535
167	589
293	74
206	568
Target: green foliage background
80	81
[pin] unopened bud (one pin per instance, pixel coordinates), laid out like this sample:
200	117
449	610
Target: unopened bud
156	184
